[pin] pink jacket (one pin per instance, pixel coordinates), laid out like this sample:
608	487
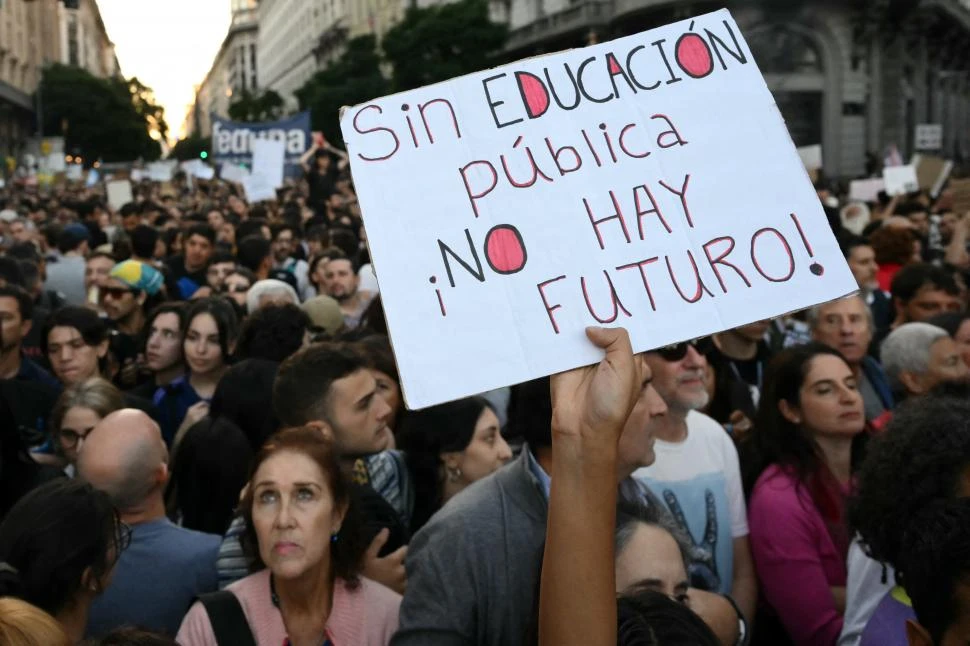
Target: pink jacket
366	616
796	559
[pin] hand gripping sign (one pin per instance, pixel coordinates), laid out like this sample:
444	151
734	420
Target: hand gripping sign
647	182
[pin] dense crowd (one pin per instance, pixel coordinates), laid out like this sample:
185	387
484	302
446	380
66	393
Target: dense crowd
203	441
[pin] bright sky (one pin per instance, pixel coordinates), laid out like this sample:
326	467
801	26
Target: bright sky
169	45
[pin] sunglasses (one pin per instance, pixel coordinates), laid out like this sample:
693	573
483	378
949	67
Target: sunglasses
114	292
678	351
239	289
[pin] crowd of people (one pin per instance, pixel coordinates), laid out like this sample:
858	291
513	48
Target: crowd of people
203	442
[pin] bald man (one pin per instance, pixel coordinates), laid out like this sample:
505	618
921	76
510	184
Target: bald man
166	567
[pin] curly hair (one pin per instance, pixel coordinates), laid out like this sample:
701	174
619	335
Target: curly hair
918	460
273	332
892	245
935	563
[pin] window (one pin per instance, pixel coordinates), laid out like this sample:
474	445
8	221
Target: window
780	50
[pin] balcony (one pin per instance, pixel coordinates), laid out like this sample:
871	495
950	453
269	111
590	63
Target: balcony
581	17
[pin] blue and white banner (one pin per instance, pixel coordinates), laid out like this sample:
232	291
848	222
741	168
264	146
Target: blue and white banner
232	140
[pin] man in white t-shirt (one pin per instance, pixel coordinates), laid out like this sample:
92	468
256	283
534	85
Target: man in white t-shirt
697	476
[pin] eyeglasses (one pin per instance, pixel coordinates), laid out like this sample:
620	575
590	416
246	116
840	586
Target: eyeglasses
123	536
114	292
70	438
239	289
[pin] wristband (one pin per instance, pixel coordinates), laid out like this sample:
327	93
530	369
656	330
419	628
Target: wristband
743	636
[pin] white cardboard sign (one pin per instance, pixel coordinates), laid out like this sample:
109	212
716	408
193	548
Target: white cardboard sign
258	188
811	156
119	193
269	156
233	173
162	171
929	136
509	209
866	190
900	180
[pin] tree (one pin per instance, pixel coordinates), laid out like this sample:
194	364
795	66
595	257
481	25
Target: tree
98	117
441	42
189	148
249	107
143	98
353	78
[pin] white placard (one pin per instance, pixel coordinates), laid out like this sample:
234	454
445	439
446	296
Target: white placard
93	178
74	172
56	162
233	173
269	156
119	193
811	156
900	180
866	190
162	171
258	188
137	174
652	210
929	136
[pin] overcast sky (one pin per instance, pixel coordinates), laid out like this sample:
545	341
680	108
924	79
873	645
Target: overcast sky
168	44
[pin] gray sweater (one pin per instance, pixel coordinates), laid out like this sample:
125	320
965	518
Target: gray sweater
473	569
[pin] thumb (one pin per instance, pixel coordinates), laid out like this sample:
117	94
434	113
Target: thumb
399	554
375	545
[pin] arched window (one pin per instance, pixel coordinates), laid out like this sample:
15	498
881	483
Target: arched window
780	50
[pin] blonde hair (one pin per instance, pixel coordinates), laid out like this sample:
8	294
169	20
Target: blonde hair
22	624
95	393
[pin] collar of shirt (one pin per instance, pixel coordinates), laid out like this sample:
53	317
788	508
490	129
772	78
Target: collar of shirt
539	473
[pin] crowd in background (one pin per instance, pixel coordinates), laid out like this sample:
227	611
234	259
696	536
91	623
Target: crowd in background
203	441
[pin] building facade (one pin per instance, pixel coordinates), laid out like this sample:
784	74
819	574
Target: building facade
234	70
855	76
296	39
36	33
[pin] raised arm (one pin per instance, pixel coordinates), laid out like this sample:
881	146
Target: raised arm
589	408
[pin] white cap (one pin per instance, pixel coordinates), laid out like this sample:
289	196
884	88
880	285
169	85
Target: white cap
8	215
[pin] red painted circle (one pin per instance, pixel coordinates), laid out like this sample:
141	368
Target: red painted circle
504	249
694	56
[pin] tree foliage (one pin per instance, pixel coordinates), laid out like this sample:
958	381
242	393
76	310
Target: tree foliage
249	107
189	148
353	78
106	119
430	45
441	42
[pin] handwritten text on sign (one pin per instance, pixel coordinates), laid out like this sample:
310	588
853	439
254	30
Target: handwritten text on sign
648	182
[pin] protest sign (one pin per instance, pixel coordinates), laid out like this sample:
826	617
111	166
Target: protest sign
258	188
900	180
162	171
119	193
811	157
269	156
232	142
509	209
931	172
961	195
137	174
92	179
74	172
929	136
233	173
866	190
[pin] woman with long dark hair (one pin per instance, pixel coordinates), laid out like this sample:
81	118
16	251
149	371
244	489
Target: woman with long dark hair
801	457
448	447
209	335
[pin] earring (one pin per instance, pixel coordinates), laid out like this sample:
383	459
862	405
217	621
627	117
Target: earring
454	474
335	536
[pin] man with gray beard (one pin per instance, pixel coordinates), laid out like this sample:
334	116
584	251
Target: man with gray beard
696	475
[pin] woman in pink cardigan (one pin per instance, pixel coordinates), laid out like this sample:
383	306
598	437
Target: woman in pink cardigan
810	418
308	538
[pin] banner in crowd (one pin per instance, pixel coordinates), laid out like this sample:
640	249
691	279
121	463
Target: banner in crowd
648	182
232	141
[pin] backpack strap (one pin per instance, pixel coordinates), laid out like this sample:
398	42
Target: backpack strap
229	624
